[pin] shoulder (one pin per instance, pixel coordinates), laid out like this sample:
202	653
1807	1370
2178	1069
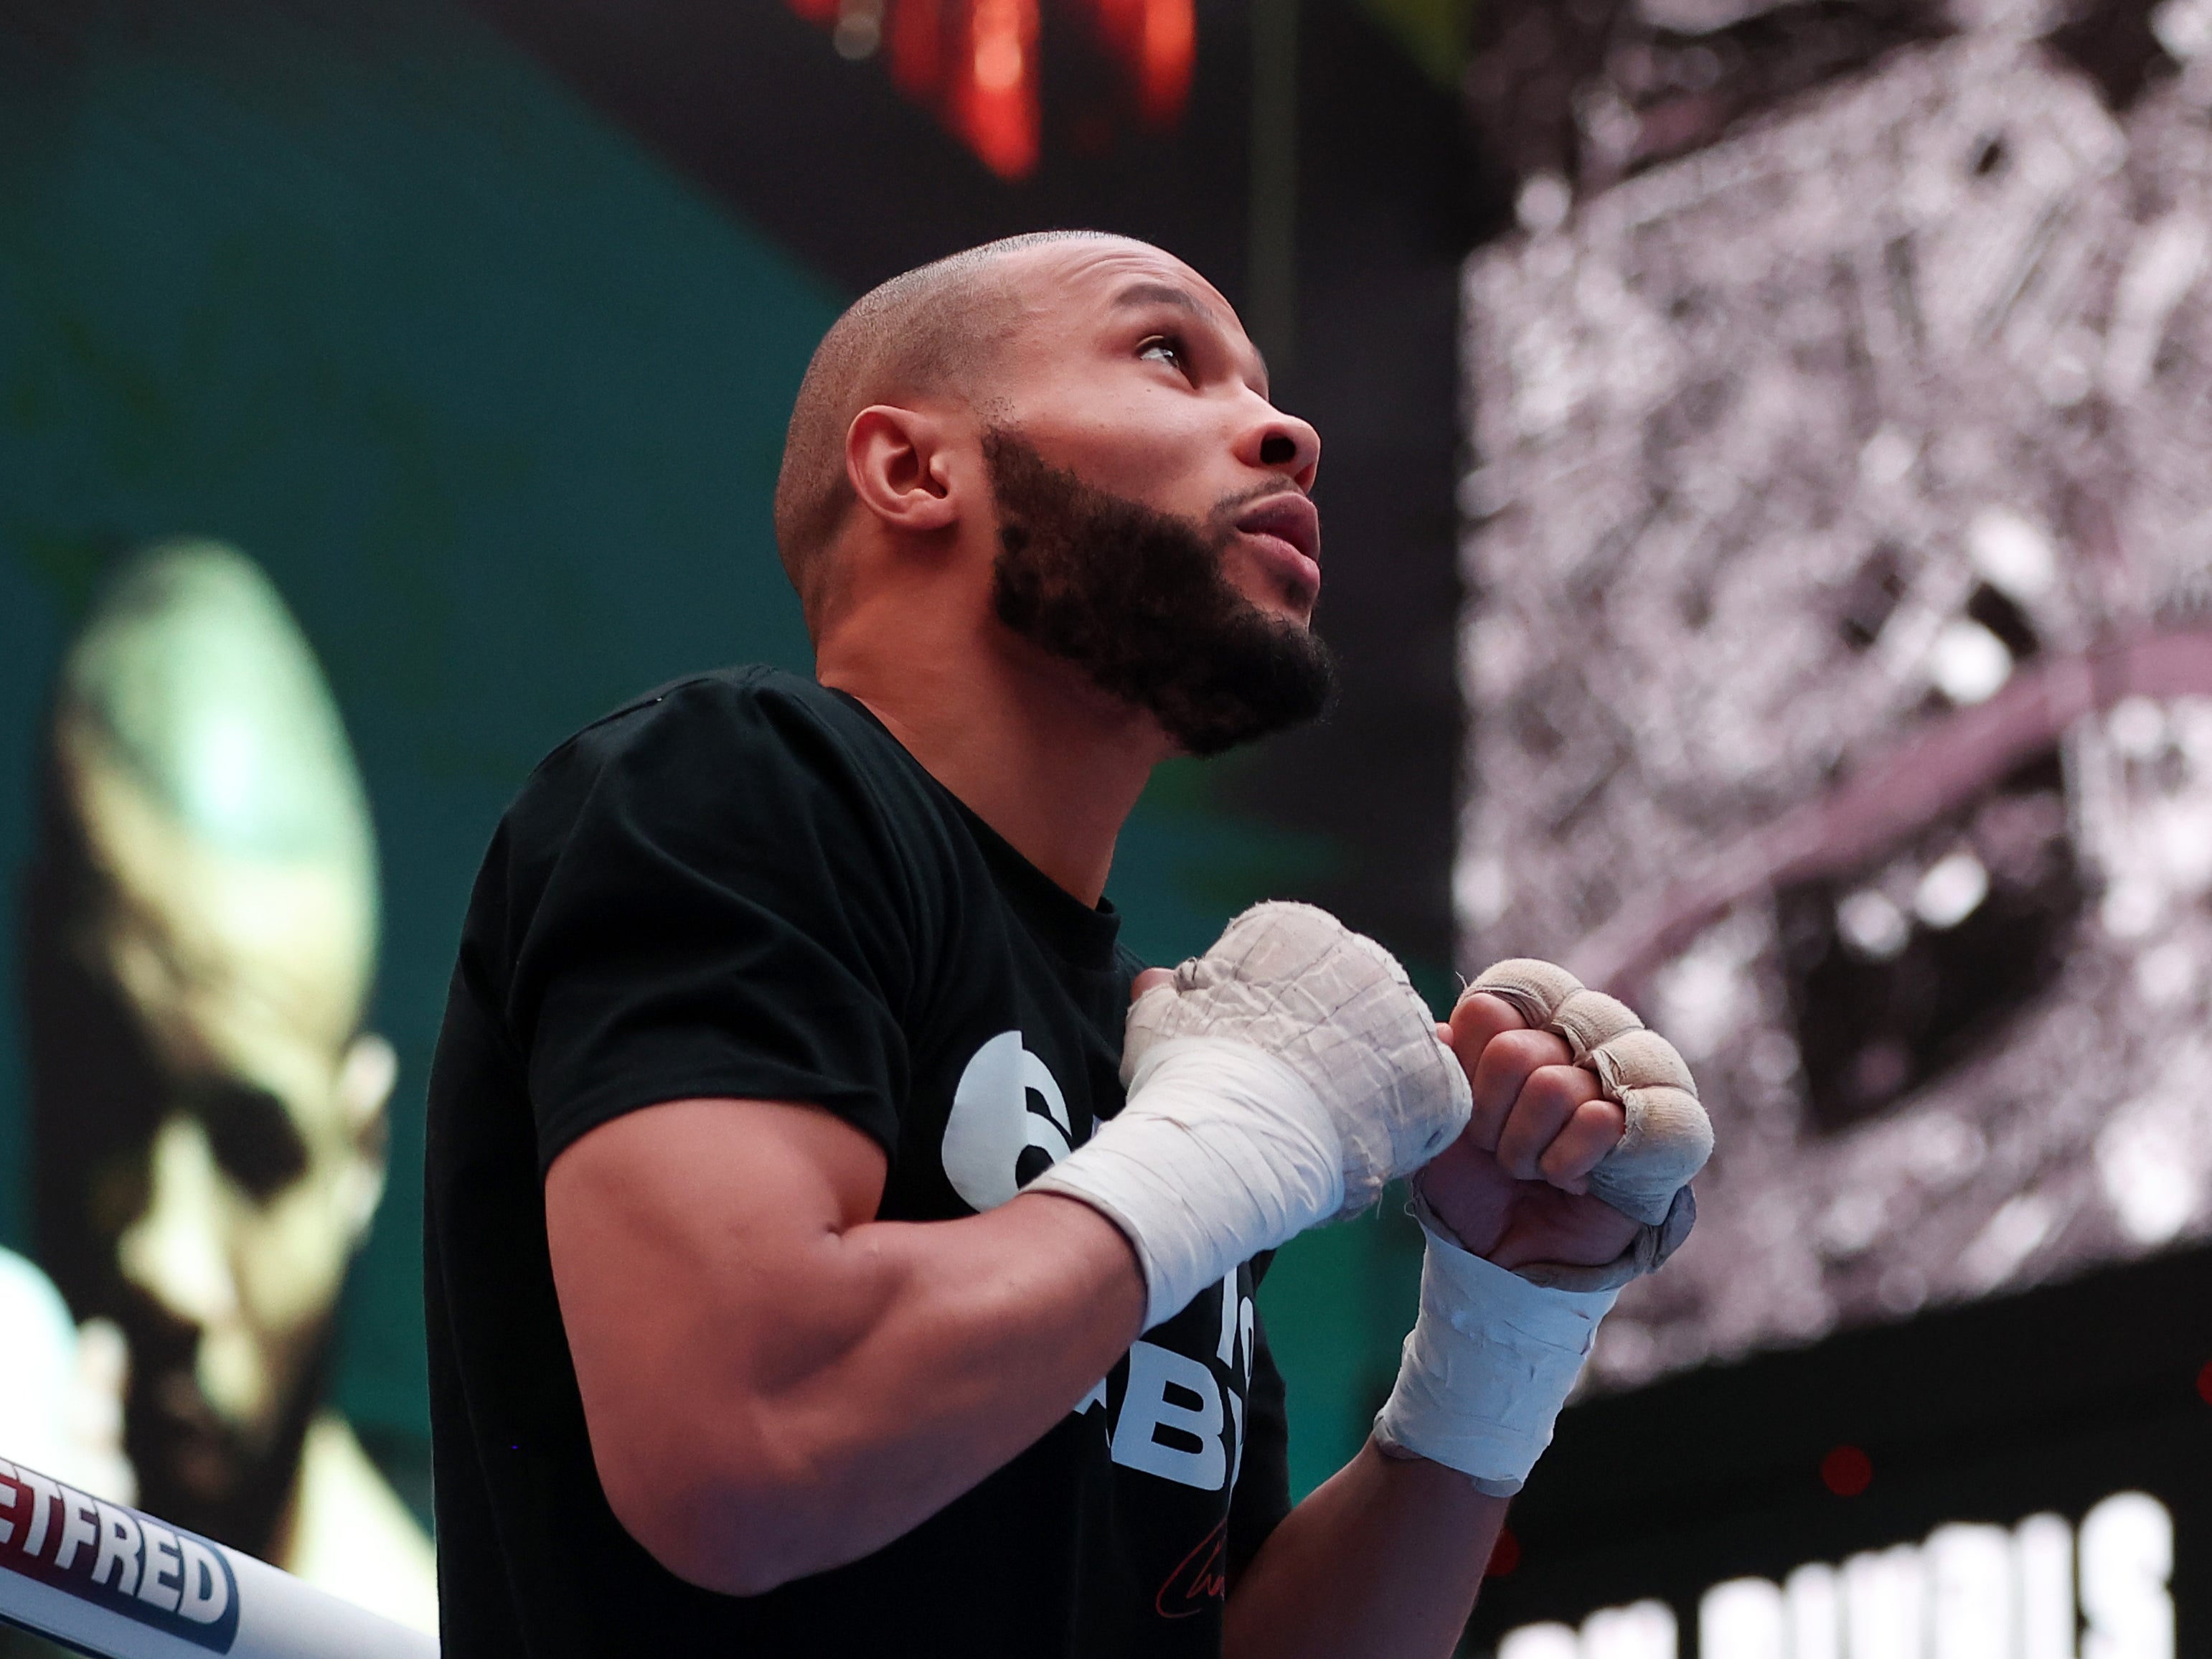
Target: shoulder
734	741
745	781
702	776
729	708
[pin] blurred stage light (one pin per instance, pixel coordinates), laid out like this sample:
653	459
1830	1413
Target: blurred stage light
1970	1590
1158	41
975	63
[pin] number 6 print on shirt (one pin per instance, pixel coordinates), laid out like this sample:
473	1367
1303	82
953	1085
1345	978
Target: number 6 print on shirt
996	1136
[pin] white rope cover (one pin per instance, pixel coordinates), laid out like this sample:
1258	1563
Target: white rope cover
109	1580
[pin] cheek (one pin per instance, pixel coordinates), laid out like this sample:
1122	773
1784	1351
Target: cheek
1144	449
291	1257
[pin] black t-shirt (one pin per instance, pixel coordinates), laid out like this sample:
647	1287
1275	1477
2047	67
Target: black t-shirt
742	886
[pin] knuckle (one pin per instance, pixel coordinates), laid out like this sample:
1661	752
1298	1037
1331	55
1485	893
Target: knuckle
1562	1162
1532	1050
1598	1128
1558	1090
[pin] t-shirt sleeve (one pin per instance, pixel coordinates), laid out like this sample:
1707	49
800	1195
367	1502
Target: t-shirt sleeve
1262	1498
721	908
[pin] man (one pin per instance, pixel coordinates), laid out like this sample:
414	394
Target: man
799	1279
199	936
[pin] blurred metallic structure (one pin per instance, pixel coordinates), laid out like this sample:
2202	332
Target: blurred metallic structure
1839	533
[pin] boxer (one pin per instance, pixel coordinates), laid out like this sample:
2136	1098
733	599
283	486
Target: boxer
837	1243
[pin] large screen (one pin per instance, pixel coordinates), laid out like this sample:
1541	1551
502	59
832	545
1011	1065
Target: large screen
1838	539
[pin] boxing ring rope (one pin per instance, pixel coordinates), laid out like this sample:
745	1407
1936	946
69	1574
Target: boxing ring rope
115	1583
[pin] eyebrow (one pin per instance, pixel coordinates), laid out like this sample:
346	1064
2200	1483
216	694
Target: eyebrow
1164	294
1167	294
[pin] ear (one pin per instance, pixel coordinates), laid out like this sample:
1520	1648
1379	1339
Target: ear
365	1078
903	467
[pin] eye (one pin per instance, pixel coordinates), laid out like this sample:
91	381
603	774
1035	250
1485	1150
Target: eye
1166	348
252	1135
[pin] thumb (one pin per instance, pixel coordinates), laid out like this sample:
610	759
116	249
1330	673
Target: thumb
1151	996
1478	1018
1150	979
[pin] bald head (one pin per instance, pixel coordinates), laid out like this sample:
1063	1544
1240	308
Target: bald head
192	678
203	770
935	331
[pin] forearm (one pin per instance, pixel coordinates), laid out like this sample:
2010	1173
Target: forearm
1382	1561
905	1362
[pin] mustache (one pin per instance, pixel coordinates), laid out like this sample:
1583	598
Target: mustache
1221	517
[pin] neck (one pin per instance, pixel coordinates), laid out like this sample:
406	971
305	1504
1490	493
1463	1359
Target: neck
1030	747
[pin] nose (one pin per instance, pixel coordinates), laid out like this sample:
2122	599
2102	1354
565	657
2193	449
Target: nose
175	1250
179	1254
1281	443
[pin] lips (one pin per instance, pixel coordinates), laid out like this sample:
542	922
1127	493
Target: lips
1287	527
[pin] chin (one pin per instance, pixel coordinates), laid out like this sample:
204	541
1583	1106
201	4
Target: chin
1279	606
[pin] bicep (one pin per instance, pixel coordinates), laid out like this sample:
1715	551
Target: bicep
690	1244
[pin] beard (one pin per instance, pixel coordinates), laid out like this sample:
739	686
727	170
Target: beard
227	1482
1138	600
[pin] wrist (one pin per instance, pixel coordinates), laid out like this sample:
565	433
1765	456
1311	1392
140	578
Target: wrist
1490	1361
1474	1226
1222	1151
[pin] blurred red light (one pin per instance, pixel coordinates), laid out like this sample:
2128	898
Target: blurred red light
974	63
1505	1555
1847	1471
916	35
2204	1383
1156	41
1171	50
993	102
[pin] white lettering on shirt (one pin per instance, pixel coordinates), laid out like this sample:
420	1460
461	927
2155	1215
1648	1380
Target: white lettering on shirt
1147	1409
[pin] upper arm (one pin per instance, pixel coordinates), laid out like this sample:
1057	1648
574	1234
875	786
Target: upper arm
710	907
691	1249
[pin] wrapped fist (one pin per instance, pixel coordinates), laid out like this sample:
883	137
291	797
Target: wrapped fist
1275	1083
1572	1180
1335	1007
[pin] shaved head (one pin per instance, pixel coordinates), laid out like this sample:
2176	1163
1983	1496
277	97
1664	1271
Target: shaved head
936	330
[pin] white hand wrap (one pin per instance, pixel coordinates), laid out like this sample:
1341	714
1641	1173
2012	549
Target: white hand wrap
1278	1081
1494	1353
1337	1009
1646	1176
1490	1361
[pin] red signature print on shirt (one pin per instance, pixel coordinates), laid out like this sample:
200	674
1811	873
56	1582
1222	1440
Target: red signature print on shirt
1200	1580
